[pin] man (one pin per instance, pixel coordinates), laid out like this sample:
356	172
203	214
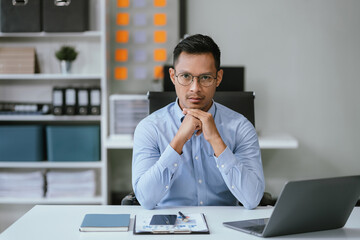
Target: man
195	151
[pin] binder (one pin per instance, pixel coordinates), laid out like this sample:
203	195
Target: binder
70	101
83	101
58	101
95	100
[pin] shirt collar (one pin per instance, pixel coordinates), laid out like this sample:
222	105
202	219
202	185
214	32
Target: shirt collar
179	115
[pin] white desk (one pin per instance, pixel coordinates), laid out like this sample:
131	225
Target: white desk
59	222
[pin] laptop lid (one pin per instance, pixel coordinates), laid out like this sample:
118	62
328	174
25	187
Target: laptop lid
312	205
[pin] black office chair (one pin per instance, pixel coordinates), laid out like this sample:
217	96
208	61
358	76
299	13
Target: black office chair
242	102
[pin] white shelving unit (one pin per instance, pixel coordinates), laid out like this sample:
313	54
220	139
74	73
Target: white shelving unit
90	70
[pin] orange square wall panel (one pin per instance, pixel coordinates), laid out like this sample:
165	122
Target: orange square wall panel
123	3
122	36
121	73
160	54
121	55
159	3
160	36
159	19
122	19
158	72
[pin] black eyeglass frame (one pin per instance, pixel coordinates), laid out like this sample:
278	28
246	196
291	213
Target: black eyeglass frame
198	77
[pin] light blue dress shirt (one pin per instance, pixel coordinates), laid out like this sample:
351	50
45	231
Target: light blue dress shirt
162	177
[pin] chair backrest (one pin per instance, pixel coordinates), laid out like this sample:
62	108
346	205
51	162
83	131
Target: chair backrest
241	102
233	79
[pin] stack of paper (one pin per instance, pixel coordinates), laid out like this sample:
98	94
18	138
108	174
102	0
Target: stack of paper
126	112
17	60
71	184
22	184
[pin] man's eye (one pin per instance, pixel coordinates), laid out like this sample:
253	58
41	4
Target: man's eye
186	76
205	77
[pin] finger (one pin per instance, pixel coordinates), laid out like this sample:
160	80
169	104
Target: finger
196	113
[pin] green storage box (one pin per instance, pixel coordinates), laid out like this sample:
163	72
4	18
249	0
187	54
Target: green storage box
21	143
73	143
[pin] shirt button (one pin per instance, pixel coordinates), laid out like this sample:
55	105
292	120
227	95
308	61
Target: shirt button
217	165
200	181
196	157
232	187
201	203
175	164
223	166
167	187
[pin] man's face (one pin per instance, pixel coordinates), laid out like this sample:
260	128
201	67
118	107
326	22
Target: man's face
195	95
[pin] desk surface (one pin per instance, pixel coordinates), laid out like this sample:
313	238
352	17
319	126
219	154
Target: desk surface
62	222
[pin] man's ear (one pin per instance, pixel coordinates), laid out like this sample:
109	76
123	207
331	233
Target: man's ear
219	77
172	75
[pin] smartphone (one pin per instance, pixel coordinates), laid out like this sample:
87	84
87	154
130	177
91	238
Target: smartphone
163	219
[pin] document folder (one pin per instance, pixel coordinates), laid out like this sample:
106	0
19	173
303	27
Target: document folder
196	224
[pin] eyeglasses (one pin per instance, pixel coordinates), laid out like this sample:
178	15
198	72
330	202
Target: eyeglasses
205	80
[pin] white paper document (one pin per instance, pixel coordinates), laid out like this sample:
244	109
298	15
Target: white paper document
196	224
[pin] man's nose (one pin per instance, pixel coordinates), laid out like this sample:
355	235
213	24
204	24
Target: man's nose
195	85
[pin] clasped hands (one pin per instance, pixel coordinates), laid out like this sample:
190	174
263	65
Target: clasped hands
199	121
202	122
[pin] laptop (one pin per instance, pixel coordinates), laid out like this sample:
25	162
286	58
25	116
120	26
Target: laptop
307	206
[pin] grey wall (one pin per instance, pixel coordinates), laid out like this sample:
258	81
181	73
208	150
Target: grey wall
302	59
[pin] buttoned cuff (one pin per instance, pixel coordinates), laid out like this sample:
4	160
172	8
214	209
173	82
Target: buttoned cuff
170	159
225	161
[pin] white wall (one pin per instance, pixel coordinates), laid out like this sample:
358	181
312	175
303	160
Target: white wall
302	59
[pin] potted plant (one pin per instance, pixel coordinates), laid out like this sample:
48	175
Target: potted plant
66	56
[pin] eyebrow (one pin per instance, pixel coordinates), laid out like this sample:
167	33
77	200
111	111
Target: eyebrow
207	73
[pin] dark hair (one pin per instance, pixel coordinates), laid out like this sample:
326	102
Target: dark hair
197	44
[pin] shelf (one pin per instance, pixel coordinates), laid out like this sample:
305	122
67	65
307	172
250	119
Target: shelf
49	118
279	141
52	165
72	200
47	77
119	142
50	35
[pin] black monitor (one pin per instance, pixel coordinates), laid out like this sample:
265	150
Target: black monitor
233	79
